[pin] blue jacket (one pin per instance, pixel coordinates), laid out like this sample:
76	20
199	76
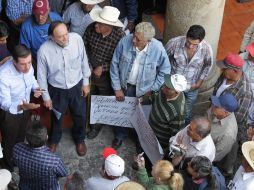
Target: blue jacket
127	8
151	70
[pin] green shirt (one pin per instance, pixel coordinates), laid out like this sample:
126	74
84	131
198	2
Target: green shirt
149	182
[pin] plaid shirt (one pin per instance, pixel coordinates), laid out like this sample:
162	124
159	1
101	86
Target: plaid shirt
16	8
38	167
100	49
242	91
197	68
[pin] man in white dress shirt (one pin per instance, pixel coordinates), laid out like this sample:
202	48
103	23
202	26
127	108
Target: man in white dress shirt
244	177
196	139
16	83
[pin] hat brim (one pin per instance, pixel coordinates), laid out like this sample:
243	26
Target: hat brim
95	15
168	82
248	152
90	2
130	185
224	65
215	101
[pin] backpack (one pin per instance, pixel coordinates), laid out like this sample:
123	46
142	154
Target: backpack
220	180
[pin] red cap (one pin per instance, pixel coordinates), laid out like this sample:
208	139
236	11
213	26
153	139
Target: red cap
232	61
40	6
250	49
108	151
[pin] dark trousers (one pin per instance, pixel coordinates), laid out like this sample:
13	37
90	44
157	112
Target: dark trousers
13	130
61	100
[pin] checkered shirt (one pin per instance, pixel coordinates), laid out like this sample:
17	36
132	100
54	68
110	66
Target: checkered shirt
242	91
100	49
197	68
16	8
38	167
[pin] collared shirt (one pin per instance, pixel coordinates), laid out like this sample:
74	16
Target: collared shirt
62	67
78	18
15	87
33	35
38	168
100	49
242	180
224	133
153	66
15	9
248	69
242	92
197	68
205	147
134	70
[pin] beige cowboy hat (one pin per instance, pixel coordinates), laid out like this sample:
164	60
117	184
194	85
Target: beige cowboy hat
248	152
108	15
129	185
91	2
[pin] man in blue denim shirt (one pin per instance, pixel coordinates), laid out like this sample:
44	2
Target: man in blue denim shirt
138	67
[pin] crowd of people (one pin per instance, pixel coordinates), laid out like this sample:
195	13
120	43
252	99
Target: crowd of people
55	54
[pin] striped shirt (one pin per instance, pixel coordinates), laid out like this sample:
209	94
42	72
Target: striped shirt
38	168
197	68
16	8
167	117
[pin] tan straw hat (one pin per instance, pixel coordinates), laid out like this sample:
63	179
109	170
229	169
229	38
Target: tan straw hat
130	185
248	152
108	15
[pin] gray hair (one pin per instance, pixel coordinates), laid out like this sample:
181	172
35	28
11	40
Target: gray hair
147	29
203	126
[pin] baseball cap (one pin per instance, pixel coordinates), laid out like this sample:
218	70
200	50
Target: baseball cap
250	49
5	178
176	82
114	165
232	61
40	6
108	151
226	101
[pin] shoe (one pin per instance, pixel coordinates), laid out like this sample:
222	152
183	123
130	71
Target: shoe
116	143
93	133
52	147
13	185
81	149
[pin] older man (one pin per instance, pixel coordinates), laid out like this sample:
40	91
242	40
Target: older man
16	84
34	30
191	56
63	72
138	68
38	167
168	109
77	15
195	139
100	40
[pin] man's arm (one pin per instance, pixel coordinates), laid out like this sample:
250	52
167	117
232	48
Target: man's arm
60	169
24	37
207	66
244	104
163	68
247	37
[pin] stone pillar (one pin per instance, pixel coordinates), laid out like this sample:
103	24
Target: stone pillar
180	15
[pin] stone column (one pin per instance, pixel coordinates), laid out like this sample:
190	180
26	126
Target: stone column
180	15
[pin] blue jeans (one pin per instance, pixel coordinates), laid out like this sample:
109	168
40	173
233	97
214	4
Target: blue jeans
190	99
121	133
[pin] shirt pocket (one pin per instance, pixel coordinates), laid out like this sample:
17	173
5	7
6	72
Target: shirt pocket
149	72
124	65
75	62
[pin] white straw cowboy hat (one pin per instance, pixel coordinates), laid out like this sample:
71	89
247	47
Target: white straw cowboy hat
129	185
91	2
248	152
108	15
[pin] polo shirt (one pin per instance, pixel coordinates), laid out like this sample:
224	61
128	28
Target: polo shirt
34	35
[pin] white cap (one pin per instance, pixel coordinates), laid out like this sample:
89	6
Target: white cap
5	178
176	82
114	165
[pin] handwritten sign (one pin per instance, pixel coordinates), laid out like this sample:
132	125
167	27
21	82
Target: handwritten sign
146	136
107	110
